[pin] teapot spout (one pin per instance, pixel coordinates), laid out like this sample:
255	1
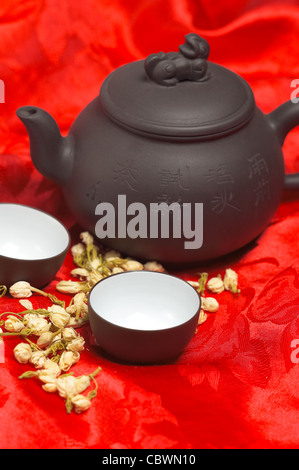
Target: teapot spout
51	153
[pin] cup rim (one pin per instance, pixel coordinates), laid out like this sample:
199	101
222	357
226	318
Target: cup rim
142	272
67	245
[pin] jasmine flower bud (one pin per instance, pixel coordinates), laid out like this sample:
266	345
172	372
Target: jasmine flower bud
13	324
80	403
67	359
21	289
22	353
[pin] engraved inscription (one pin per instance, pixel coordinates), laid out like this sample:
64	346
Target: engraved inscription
223	198
168	178
176	182
220	175
126	173
258	173
257	166
262	191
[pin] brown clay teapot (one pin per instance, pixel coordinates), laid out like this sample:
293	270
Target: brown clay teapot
173	129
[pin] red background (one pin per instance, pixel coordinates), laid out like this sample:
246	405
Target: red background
235	385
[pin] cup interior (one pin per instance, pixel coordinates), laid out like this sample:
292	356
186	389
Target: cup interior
30	234
143	300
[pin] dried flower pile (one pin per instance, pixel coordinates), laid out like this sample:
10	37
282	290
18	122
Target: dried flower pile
51	343
215	285
94	263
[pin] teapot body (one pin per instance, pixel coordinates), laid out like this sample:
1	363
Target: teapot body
172	161
238	178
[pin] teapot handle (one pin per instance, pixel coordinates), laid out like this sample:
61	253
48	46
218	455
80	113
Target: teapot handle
283	119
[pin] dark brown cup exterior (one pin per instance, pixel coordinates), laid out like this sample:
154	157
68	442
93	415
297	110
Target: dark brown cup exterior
37	272
141	346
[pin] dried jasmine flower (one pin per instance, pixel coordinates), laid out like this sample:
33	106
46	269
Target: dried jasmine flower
53	309
76	345
230	281
209	304
72	310
215	285
49	382
111	255
84	316
66	387
78	308
132	265
202	317
80	403
91	249
13	324
68	359
52	368
69	334
46	339
81	273
38	359
76	323
79	255
22	353
154	266
58	316
50	387
37	324
82	383
95	263
21	289
107	267
93	278
80	299
78	250
86	238
71	287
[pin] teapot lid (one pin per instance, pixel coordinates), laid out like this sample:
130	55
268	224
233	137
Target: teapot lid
178	94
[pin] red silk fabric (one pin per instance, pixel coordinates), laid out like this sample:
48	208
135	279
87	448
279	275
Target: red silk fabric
235	386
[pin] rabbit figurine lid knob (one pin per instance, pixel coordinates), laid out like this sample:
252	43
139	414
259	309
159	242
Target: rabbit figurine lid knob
190	63
178	94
